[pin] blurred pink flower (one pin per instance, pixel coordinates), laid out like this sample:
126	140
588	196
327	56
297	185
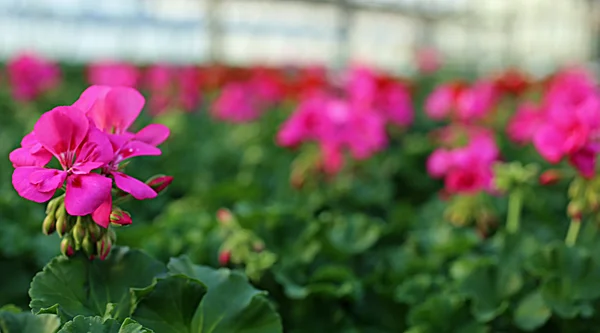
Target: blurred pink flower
428	59
114	74
466	169
442	101
237	103
336	125
173	88
30	76
390	98
525	123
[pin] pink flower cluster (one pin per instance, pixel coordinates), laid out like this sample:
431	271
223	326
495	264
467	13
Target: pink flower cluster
356	123
466	169
172	88
461	102
246	100
114	74
565	124
92	142
30	76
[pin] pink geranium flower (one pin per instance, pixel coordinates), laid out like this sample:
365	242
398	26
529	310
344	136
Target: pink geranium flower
237	103
30	75
172	87
466	169
525	123
67	134
109	73
113	110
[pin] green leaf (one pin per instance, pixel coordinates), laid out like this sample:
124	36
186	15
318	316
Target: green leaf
26	322
355	234
231	304
532	312
77	286
81	324
170	304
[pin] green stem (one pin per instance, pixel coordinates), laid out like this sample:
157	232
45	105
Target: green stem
515	202
573	232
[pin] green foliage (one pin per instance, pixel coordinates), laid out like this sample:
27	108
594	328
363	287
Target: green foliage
373	249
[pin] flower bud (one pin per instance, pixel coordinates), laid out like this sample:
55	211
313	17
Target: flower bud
88	246
66	247
120	217
103	247
79	232
550	177
224	257
224	216
159	182
49	224
62	225
574	210
95	231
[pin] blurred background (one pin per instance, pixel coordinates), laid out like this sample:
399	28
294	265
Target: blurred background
471	34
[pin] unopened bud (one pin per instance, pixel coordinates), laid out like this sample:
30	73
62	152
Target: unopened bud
88	246
224	216
224	257
49	224
159	183
95	231
120	217
258	246
103	247
66	247
575	210
62	225
550	177
79	232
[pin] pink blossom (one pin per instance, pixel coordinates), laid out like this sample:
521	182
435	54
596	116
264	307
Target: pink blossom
172	87
336	125
525	123
113	110
441	102
31	75
466	169
476	101
67	134
113	74
429	59
384	95
237	103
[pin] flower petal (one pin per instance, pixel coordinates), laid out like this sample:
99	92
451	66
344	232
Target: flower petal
102	214
136	188
85	193
94	153
62	129
47	180
549	141
153	134
23	186
123	106
135	148
90	96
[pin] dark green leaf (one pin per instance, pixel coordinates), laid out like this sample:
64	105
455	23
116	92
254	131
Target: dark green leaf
81	324
77	286
231	304
26	322
170	304
532	312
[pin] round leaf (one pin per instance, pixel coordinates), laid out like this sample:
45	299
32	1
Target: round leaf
532	312
231	304
77	286
81	324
